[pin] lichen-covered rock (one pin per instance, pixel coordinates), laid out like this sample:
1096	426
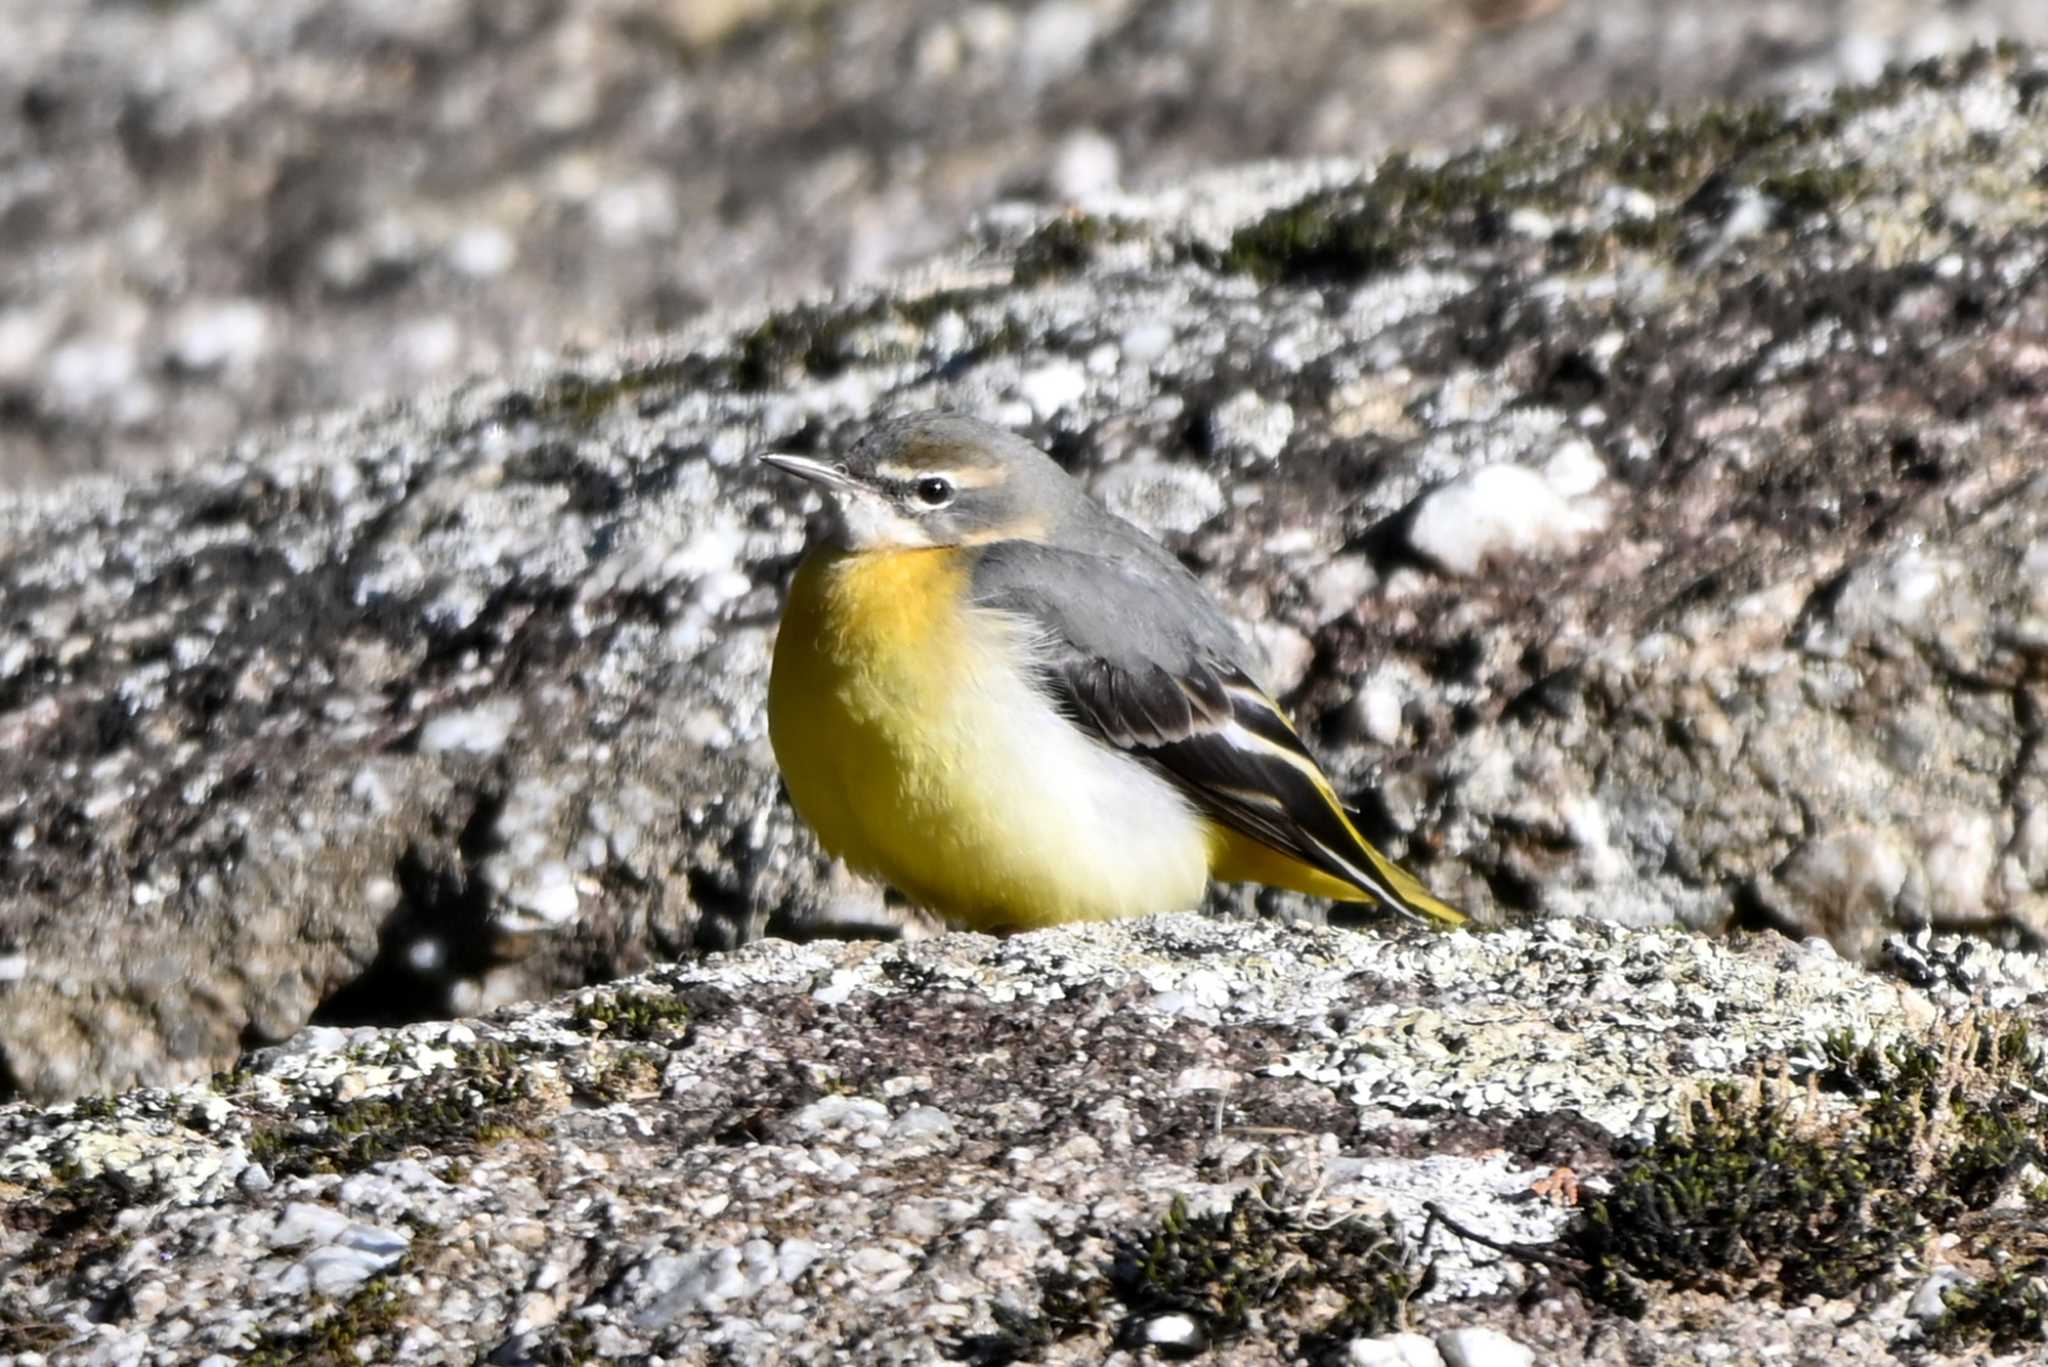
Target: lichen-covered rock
420	710
1269	1140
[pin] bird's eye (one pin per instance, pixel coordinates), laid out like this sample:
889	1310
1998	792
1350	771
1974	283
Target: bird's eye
934	492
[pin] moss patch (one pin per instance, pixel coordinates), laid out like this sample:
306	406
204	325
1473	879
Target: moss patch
1294	1275
75	1226
340	1334
1354	232
21	1333
2002	1312
642	1017
818	341
579	400
1068	243
485	1099
1755	1195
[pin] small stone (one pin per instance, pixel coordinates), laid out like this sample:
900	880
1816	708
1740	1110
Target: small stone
794	1257
1482	1348
1145	342
1159	498
220	336
1175	1335
482	251
1086	163
1574	469
1055	39
1053	387
1501	510
1929	1304
474	731
303	1222
880	1270
1393	1350
1248	425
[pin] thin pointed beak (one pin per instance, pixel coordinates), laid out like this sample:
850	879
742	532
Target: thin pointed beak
830	477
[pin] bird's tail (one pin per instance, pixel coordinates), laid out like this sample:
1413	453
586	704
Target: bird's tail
1392	885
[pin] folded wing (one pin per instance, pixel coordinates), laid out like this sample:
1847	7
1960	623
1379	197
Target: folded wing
1132	650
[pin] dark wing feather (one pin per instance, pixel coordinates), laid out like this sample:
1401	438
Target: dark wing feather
1133	651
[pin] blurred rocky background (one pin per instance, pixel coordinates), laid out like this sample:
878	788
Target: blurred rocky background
215	215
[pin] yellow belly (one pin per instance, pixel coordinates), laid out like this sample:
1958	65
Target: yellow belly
920	756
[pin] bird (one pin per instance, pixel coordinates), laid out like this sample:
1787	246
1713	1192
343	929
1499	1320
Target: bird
1019	710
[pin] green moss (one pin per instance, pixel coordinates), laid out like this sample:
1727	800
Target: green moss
622	1075
1935	73
231	1080
1261	1263
2005	1312
925	309
94	1108
643	1017
790	345
581	400
818	342
1752	1196
1816	189
370	1319
1743	1194
1355	232
1670	157
22	1333
75	1223
1066	244
1362	231
483	1100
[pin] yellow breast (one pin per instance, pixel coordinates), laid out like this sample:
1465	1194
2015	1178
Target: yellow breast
866	646
919	751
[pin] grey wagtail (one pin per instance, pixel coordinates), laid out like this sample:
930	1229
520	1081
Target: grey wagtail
1019	710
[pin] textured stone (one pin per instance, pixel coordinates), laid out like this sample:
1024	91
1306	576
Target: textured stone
832	1151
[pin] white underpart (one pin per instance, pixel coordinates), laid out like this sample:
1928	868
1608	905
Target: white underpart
1123	840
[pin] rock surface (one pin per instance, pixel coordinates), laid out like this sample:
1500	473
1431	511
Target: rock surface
967	1148
1645	518
220	214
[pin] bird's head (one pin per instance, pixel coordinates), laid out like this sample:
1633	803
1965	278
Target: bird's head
939	479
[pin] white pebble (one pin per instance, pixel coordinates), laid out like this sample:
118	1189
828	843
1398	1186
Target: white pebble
474	731
1087	163
1927	1304
1052	387
1177	1332
1574	469
1482	1348
1394	1350
1500	510
482	251
1145	342
221	335
1378	709
1246	424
